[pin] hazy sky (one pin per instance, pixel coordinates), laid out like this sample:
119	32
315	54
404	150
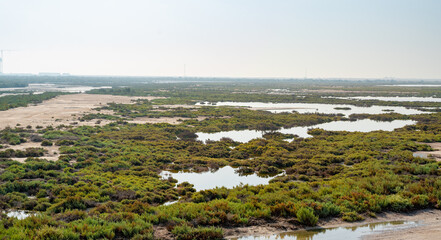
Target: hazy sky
232	38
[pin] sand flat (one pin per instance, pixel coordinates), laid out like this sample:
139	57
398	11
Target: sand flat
64	109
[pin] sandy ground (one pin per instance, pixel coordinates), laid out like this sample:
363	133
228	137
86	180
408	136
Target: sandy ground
60	110
435	154
429	226
52	151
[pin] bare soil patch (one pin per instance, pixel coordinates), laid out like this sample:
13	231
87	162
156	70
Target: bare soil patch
64	109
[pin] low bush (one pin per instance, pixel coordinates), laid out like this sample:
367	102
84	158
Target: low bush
306	216
185	232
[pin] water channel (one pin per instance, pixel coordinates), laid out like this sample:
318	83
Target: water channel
365	125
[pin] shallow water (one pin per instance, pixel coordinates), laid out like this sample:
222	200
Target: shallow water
223	177
413	85
394	99
365	125
317	108
38	88
19	214
338	233
421	155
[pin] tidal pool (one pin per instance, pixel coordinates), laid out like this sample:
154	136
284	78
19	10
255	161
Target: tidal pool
365	125
337	233
223	177
317	108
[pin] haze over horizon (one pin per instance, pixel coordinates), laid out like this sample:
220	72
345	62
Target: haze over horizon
249	38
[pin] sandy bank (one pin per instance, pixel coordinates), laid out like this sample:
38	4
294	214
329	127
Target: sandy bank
64	109
430	227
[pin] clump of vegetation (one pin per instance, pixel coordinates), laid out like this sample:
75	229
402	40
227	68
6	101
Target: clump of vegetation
14	101
352	217
46	143
306	216
185	232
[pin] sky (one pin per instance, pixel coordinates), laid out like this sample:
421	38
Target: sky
224	38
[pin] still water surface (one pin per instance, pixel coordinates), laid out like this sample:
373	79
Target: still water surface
224	177
19	214
338	233
38	88
317	108
394	99
365	125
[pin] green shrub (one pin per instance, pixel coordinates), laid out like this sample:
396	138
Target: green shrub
185	232
52	233
306	216
68	204
420	201
287	209
46	143
352	217
398	203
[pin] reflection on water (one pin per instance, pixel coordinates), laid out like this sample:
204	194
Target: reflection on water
365	125
339	233
224	177
318	108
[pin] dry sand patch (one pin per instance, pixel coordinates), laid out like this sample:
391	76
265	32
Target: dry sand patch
64	109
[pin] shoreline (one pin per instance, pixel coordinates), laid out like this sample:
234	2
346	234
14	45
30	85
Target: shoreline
429	229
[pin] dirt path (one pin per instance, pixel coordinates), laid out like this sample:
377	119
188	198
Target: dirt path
64	109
